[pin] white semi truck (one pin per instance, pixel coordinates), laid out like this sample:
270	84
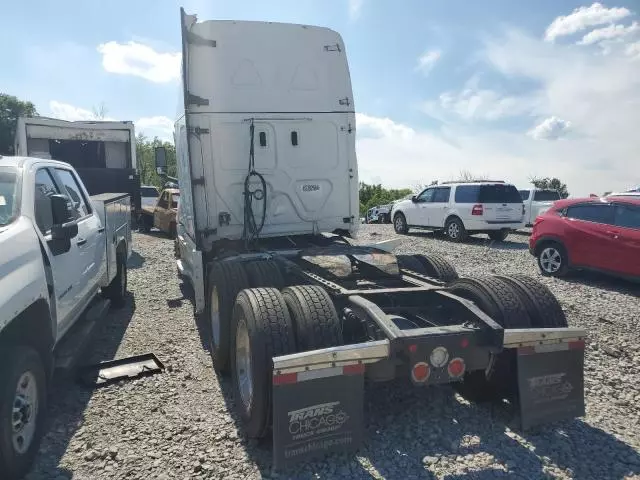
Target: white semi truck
299	314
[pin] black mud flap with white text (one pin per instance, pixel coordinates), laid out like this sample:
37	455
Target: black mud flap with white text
317	412
551	383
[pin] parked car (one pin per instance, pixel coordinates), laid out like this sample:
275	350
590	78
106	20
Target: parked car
592	233
161	214
58	249
462	209
149	195
537	201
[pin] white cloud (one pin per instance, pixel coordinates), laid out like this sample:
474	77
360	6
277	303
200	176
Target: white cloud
582	18
550	128
158	126
609	33
64	111
633	50
427	61
140	60
355	6
376	127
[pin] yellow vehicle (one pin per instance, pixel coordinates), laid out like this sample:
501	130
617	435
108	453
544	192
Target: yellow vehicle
162	215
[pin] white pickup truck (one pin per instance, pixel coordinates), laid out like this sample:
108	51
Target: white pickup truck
58	249
537	201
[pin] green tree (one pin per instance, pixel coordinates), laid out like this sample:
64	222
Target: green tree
10	109
551	184
373	195
145	157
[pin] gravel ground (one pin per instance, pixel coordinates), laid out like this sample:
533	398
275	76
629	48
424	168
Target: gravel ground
179	424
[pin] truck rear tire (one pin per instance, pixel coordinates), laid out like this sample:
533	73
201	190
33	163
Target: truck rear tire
23	404
499	301
225	281
541	305
116	291
264	273
261	330
315	320
411	262
438	267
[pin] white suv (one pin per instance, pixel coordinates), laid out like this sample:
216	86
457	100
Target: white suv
462	209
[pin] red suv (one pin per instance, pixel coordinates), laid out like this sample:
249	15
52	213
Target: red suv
592	233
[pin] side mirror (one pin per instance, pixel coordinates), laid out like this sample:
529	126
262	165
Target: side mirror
414	199
161	160
64	226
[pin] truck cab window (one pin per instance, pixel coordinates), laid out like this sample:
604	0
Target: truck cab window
74	192
164	201
45	187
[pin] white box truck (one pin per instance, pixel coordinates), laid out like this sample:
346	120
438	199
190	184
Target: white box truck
296	312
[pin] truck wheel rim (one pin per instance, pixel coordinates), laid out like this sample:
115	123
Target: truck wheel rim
399	223
215	317
550	260
243	364
24	412
453	230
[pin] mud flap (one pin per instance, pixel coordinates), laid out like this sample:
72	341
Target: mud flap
550	382
317	412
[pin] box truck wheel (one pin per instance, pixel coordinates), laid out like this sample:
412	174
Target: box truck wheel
315	320
437	266
542	306
264	273
499	301
23	400
225	280
261	330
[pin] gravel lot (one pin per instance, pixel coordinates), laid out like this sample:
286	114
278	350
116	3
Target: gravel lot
179	424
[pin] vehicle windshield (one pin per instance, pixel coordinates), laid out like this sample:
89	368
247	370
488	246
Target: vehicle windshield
546	196
149	192
499	193
9	199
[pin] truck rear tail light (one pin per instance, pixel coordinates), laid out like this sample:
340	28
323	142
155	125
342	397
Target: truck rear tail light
439	357
477	210
456	368
420	372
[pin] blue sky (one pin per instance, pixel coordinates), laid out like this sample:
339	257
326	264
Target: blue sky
500	88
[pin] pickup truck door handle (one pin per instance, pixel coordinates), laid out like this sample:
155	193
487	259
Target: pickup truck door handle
101	229
81	241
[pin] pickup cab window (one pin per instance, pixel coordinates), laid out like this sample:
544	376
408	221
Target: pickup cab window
74	193
546	196
175	198
9	201
45	187
164	200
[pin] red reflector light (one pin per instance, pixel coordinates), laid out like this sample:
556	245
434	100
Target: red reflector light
285	378
576	345
477	210
464	343
420	372
356	369
413	348
456	367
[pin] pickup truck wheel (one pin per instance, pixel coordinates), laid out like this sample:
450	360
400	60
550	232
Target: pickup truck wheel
400	224
116	291
455	231
22	409
438	267
499	235
264	273
499	301
315	320
145	223
541	305
226	279
261	330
